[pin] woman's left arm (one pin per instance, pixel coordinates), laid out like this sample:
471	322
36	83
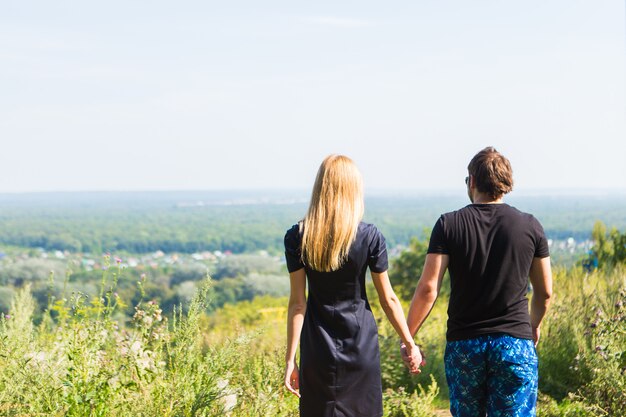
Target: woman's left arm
295	319
393	310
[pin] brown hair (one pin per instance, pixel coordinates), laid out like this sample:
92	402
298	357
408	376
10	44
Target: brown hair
492	172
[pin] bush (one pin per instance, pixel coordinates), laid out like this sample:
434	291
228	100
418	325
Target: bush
87	364
6	297
241	265
582	351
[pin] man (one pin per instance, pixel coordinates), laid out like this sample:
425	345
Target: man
490	250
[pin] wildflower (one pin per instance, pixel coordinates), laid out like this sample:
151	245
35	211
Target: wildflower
135	347
118	260
229	396
148	321
143	277
114	382
7	316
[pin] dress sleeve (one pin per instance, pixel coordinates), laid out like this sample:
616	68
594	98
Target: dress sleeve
437	242
541	242
377	256
293	252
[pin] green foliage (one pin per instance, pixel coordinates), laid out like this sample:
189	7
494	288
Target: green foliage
417	403
183	273
84	364
71	346
167	282
18	272
582	351
407	268
609	248
188	222
6	297
572	406
242	265
81	360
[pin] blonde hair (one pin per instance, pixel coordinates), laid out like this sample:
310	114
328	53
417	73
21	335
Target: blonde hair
336	208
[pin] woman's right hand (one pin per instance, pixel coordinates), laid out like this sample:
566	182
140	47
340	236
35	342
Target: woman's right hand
292	378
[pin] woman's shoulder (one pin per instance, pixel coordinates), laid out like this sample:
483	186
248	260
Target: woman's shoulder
295	229
293	236
368	227
369	231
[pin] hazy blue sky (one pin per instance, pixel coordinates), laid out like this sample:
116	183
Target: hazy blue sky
125	95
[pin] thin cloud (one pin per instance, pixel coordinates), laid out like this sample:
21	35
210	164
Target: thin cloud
341	22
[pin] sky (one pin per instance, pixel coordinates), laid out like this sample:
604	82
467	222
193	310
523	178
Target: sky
204	95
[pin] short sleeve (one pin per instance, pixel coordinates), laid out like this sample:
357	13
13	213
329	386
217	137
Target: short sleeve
377	252
437	242
293	252
541	242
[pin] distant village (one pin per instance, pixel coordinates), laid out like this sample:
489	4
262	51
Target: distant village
159	259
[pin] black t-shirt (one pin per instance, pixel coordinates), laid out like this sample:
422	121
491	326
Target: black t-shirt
491	248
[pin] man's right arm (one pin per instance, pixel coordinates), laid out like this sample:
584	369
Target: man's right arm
541	280
427	290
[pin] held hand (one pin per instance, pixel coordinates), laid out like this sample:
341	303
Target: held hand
536	334
292	378
412	357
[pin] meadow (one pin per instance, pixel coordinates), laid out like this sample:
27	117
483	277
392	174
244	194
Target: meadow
121	347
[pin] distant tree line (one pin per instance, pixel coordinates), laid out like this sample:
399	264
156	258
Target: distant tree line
151	226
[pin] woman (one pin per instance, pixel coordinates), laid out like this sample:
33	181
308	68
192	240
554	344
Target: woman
339	371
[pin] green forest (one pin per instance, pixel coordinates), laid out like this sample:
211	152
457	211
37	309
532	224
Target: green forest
175	304
188	222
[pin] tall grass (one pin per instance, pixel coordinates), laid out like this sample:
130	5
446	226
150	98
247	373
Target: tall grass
84	359
582	351
85	363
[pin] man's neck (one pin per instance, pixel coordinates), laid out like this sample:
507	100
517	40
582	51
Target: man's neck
482	198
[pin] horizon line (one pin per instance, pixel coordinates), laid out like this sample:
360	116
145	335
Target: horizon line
368	190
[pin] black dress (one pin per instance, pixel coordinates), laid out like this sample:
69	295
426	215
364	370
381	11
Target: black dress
339	357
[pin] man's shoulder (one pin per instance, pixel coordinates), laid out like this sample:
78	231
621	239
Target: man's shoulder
517	212
456	213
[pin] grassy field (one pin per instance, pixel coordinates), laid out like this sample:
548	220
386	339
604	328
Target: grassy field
85	359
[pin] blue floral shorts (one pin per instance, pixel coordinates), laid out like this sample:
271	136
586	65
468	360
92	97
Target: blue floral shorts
494	375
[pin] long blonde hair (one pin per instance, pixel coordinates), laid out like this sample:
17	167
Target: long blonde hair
335	211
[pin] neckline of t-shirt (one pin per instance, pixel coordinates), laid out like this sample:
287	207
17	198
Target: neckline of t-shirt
487	204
